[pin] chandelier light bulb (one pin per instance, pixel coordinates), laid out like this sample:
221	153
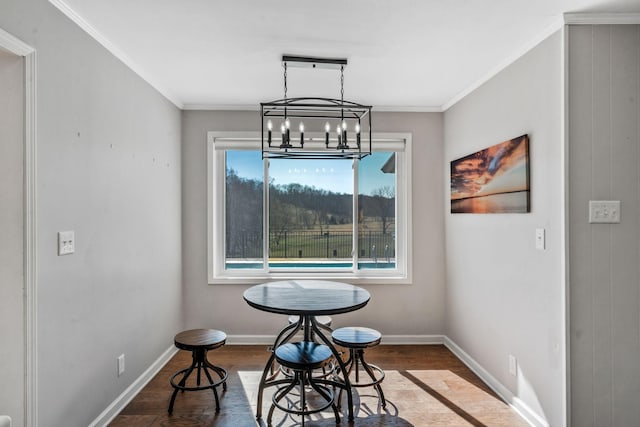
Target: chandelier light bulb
327	129
287	134
284	134
269	127
357	127
344	132
301	127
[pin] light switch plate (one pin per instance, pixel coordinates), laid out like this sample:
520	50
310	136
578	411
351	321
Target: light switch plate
513	365
540	239
66	242
121	364
604	211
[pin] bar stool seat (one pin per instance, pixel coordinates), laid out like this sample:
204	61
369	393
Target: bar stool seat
199	342
356	340
302	358
322	322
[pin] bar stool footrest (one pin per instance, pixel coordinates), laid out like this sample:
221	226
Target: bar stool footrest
222	381
378	378
291	409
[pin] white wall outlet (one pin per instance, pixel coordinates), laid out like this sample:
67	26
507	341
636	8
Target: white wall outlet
540	239
66	242
604	211
121	364
513	365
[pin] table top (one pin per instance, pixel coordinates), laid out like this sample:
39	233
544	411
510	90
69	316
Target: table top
306	297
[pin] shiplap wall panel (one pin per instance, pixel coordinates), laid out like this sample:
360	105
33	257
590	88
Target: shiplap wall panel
625	292
600	242
580	95
604	164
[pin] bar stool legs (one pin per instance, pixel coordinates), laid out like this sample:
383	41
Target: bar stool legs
302	379
301	358
376	374
199	341
356	339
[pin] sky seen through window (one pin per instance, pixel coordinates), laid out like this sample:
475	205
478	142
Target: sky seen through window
330	175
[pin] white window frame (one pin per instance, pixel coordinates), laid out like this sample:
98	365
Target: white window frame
218	142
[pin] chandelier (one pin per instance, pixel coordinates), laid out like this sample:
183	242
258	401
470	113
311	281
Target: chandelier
335	128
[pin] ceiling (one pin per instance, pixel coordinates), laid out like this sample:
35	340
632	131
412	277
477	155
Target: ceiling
411	55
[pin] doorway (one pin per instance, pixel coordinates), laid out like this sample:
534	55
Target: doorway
12	231
17	228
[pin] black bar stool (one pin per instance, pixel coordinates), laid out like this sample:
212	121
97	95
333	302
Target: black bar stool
302	358
356	339
323	322
199	342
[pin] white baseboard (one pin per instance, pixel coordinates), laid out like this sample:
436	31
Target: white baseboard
386	339
121	401
250	339
412	339
514	402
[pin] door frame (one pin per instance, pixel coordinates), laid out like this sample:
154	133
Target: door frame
19	48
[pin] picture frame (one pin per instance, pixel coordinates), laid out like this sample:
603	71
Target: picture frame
493	180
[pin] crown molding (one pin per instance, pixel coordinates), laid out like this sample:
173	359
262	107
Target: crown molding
401	109
107	44
14	45
551	29
601	18
565	19
378	109
220	107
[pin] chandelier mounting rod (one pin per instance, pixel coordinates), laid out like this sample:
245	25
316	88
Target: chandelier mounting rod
314	62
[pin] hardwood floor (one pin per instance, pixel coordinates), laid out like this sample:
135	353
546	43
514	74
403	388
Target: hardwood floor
425	385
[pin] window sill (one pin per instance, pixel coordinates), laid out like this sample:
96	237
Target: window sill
341	277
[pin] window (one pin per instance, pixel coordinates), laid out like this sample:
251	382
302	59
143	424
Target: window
333	219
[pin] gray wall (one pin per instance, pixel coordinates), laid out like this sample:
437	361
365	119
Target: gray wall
11	230
109	168
604	164
504	297
414	309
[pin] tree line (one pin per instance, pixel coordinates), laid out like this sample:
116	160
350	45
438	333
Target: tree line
297	207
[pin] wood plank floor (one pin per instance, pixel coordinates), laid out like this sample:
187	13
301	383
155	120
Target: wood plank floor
425	385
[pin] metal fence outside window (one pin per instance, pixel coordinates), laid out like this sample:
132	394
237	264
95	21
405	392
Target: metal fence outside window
311	244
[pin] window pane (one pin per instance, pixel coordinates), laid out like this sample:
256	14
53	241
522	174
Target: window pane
310	213
377	211
243	209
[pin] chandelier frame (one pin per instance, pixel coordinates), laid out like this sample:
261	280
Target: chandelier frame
334	145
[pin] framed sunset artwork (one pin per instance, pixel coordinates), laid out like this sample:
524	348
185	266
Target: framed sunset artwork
493	180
